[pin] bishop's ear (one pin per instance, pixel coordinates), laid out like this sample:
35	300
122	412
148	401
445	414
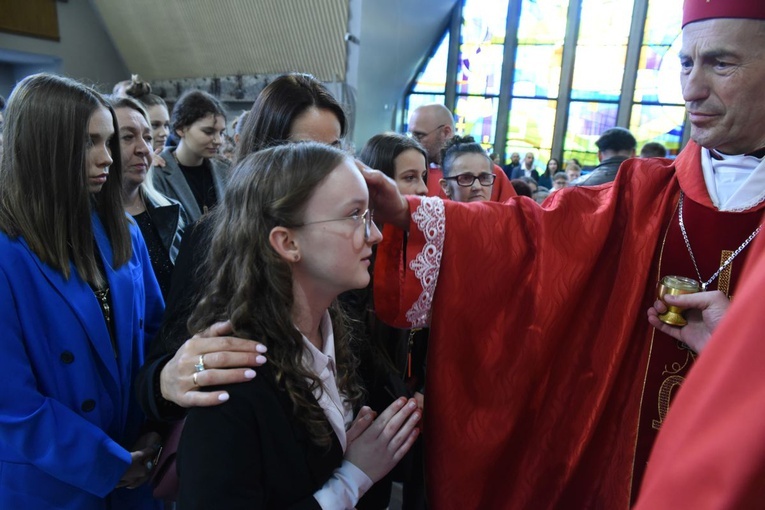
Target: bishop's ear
283	240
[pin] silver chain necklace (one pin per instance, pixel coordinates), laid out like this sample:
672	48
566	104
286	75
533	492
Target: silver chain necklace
724	264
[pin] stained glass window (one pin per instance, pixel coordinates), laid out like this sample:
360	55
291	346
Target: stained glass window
601	49
477	116
540	48
586	121
482	41
531	127
658	114
433	76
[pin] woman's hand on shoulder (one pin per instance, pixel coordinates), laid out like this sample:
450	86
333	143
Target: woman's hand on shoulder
382	443
209	358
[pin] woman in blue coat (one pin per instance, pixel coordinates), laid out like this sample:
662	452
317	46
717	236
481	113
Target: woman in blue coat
78	302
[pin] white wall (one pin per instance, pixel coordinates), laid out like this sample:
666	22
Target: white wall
85	51
395	38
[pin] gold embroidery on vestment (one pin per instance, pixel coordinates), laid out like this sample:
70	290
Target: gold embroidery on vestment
723	283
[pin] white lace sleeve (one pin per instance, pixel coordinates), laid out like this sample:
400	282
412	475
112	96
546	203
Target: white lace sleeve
431	221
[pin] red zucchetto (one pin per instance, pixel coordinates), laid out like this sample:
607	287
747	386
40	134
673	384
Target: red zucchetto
698	10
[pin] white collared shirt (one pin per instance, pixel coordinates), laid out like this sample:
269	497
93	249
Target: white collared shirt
347	483
734	183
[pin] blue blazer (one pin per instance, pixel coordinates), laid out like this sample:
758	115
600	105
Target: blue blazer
68	415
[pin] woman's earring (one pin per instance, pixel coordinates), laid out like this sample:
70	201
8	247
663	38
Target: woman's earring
297	257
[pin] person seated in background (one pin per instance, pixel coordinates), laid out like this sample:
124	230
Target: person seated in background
615	146
653	150
79	305
553	165
468	171
192	173
160	219
560	181
522	188
527	168
515	162
573	171
294	230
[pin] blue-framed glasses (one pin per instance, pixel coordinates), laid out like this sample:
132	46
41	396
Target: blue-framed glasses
367	217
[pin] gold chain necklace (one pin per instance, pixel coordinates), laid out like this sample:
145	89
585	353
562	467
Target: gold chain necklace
727	261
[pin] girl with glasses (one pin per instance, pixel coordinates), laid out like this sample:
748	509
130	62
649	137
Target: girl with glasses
297	237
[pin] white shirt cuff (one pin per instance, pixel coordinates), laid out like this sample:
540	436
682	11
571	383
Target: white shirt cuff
344	488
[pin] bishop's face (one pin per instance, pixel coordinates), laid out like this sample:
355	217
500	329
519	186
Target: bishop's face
722	77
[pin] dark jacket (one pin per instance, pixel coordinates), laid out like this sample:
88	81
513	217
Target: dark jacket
251	453
167	219
520	172
170	181
601	174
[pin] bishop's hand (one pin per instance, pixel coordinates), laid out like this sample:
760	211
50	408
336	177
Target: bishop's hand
703	311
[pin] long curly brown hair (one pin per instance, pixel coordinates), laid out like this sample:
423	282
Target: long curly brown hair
248	283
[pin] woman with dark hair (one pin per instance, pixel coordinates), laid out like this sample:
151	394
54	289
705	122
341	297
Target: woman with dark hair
468	171
546	179
160	219
192	174
294	107
293	232
399	157
156	107
78	305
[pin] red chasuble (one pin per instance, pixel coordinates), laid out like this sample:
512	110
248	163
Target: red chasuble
502	188
539	349
710	453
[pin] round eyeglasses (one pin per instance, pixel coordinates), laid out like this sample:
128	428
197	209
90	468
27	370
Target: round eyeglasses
367	217
466	180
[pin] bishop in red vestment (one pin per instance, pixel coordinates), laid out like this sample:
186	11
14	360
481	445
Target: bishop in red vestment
546	385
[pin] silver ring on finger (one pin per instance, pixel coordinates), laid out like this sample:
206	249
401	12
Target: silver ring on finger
199	367
194	378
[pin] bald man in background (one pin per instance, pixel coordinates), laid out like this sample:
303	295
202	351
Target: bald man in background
433	126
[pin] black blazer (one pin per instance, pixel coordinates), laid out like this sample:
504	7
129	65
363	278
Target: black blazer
251	453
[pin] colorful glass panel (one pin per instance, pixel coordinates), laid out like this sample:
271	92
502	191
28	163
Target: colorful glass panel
482	39
601	49
586	121
433	76
530	127
658	123
659	68
477	116
541	31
